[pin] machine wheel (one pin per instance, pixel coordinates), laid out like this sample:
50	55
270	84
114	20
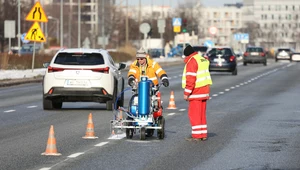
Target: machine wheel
150	132
245	63
143	133
121	99
161	123
129	131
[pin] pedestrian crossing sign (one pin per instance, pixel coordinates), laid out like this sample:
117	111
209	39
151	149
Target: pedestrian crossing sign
37	14
35	33
176	21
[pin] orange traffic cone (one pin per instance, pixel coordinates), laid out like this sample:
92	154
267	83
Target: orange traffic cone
90	134
51	144
172	101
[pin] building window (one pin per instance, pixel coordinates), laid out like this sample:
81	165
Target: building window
293	7
262	17
287	7
290	26
266	16
269	8
282	25
290	17
272	16
266	25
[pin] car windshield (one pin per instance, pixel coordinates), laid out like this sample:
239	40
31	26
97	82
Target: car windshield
283	49
79	59
220	51
254	50
202	49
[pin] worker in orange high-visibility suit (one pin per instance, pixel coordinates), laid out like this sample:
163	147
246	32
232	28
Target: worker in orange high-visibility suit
144	66
196	81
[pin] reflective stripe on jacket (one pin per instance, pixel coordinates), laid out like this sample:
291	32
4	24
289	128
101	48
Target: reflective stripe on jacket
153	71
196	78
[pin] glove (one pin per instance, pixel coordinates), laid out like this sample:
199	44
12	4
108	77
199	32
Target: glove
131	81
165	82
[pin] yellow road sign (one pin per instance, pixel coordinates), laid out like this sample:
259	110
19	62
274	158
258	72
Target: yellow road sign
37	14
35	33
176	28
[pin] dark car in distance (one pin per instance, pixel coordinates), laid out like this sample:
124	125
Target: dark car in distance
222	59
255	55
201	49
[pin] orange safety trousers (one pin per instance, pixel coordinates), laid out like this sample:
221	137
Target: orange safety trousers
197	116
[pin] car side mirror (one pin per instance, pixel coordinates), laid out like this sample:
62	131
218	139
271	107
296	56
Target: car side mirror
45	65
121	66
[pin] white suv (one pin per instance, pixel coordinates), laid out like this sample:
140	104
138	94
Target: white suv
82	75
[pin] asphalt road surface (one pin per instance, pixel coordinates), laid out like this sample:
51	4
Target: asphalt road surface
253	123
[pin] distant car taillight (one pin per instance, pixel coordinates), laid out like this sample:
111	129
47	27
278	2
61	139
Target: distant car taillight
262	54
102	70
246	54
54	69
231	58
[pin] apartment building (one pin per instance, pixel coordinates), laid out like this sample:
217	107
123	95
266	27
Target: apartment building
278	22
226	19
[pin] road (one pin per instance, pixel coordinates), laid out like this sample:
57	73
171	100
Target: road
253	123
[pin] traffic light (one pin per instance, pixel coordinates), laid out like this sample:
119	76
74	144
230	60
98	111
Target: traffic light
184	25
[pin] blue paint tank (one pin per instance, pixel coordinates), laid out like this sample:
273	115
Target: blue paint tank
144	88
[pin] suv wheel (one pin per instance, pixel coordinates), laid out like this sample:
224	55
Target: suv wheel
234	72
47	104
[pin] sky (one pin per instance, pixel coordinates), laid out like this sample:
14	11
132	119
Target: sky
174	3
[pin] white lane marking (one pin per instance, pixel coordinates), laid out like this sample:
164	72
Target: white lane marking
242	84
102	144
227	89
75	155
175	77
249	81
180	75
232	87
221	92
181	110
31	107
169	78
45	168
7	111
214	95
237	86
210	98
170	114
118	136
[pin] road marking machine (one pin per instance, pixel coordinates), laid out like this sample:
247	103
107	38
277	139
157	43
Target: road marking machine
144	113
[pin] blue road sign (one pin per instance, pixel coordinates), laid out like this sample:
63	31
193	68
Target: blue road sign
23	38
176	22
241	36
209	43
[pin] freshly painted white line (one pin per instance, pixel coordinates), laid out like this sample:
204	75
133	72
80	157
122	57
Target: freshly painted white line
118	136
227	89
75	155
181	110
45	168
7	111
31	106
221	92
170	114
215	95
249	81
169	78
237	86
102	144
242	84
232	87
245	82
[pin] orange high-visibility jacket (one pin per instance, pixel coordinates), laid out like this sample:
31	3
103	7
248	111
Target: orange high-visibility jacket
153	71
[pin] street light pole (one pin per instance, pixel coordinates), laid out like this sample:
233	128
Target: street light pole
61	24
79	24
19	27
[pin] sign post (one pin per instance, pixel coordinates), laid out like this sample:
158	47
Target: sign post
161	23
9	31
145	28
35	33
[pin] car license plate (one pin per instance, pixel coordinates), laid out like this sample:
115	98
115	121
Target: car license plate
77	83
254	53
219	60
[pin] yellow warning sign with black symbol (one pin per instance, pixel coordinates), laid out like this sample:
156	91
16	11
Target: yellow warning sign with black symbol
37	14
35	33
